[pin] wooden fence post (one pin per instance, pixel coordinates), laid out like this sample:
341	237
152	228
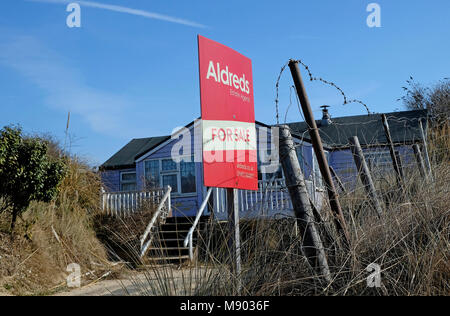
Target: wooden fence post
364	173
399	162
338	180
318	149
295	182
397	169
419	160
425	151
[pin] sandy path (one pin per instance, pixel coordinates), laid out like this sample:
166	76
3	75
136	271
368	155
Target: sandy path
106	288
161	281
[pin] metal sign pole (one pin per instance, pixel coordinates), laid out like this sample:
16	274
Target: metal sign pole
234	241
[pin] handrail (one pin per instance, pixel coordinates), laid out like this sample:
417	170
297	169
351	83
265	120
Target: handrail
152	222
188	238
136	191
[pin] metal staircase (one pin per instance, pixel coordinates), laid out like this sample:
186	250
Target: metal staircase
165	238
168	245
158	219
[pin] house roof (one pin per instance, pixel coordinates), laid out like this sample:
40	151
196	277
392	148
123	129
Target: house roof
125	158
136	148
404	128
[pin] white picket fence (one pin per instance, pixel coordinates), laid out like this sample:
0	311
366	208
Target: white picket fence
126	203
271	200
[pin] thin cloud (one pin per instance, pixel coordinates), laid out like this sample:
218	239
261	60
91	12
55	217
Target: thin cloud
116	8
64	86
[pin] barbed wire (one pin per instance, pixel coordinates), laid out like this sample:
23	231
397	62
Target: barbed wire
290	103
408	125
277	91
313	78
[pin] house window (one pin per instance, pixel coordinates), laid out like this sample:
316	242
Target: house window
264	175
128	181
187	177
267	169
278	174
152	173
169	165
180	176
172	180
300	158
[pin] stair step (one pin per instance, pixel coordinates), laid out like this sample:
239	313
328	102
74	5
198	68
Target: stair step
172	239
168	258
178	224
164	232
170	245
178	238
168	248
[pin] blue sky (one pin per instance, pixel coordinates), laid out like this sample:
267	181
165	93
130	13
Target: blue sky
126	76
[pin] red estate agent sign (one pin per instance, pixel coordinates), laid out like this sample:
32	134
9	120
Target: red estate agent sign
228	117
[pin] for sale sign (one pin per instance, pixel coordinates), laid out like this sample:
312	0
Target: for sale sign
228	117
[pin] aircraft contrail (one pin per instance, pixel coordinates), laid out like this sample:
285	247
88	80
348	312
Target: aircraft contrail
116	8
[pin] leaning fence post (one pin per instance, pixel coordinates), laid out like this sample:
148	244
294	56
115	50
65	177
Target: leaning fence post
295	182
364	173
419	160
399	162
425	151
387	132
338	180
318	149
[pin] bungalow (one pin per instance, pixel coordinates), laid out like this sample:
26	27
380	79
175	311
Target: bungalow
175	161
144	166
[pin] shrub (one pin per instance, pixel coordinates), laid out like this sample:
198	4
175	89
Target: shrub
26	171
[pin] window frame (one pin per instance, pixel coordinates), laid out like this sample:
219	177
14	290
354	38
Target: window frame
168	170
176	172
159	170
122	182
172	173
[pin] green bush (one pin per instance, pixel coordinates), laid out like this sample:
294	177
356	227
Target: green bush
27	173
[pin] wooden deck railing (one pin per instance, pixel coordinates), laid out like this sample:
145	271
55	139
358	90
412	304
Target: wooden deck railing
126	203
271	199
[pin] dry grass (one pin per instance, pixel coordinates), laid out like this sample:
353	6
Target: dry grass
121	236
53	235
410	242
